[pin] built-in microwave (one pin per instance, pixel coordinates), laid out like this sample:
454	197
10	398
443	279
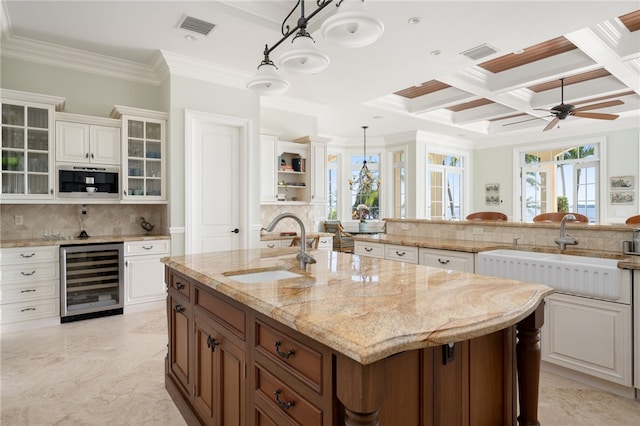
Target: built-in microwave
88	182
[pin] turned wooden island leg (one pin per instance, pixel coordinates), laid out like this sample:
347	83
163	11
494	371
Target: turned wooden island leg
361	389
528	365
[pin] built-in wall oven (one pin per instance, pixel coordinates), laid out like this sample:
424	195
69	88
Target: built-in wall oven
92	280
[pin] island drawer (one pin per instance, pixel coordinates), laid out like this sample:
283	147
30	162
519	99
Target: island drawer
401	253
180	284
140	248
279	397
300	360
369	249
226	313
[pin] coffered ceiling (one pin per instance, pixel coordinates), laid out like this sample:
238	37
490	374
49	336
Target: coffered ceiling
475	72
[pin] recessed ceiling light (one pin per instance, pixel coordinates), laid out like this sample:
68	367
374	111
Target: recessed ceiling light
377	117
190	37
414	20
518	52
436	52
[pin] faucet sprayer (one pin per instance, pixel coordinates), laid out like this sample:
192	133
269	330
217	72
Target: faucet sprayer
303	257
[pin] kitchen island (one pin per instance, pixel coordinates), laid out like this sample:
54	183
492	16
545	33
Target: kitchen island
352	340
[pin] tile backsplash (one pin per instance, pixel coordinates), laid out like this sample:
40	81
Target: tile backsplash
67	220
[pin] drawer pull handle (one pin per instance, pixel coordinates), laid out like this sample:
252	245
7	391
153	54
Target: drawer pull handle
28	309
28	291
147	247
271	245
211	343
27	274
281	403
400	254
283	355
27	255
179	309
444	262
180	286
368	249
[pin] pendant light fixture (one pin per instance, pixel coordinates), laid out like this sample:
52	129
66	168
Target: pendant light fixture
351	27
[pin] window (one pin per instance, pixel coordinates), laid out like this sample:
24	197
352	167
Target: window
445	173
562	178
399	185
362	192
332	176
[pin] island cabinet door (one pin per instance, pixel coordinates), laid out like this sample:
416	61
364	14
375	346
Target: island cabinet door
180	347
219	396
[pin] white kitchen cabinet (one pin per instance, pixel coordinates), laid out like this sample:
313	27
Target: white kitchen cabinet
325	243
590	336
29	285
636	328
268	168
365	248
292	174
28	172
447	259
87	140
143	154
401	253
318	169
144	273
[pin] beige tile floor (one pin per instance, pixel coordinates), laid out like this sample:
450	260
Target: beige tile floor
109	371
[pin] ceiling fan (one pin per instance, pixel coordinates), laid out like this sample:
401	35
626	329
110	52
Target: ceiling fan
562	111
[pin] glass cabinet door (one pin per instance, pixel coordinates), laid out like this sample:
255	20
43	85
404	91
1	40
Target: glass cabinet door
144	158
26	156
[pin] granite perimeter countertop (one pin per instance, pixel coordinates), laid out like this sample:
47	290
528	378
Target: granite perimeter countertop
366	308
91	240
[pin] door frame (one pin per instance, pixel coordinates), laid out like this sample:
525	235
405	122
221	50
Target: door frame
244	126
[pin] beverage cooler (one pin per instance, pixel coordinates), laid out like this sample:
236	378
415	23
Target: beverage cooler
92	281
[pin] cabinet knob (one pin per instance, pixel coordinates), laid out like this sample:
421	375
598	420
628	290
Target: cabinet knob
235	231
92	157
211	343
86	155
179	286
179	309
126	263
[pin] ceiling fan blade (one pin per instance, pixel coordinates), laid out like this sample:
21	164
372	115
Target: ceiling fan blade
523	121
552	124
597	115
600	105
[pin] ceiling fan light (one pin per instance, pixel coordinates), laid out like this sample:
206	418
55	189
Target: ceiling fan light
303	57
352	26
267	81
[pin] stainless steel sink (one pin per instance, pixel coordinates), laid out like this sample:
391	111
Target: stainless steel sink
262	276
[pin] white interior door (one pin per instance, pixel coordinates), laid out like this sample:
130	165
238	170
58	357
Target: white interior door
213	183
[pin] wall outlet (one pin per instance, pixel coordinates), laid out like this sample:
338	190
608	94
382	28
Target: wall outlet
132	218
478	231
404	226
19	220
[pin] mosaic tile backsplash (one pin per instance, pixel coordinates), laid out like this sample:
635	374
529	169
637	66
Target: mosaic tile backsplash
66	220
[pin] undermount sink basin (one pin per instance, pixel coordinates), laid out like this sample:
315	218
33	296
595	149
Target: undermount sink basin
580	275
262	276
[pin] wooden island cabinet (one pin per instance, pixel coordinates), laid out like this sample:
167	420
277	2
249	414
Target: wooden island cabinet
242	354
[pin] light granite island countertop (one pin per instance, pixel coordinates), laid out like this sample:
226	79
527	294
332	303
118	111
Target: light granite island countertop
368	310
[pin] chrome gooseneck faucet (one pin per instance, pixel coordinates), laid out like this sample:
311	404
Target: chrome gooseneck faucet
303	257
565	239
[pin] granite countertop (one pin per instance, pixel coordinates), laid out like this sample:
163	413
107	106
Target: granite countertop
91	240
366	308
625	261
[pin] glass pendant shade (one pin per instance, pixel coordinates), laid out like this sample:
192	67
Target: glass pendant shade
267	81
352	26
303	57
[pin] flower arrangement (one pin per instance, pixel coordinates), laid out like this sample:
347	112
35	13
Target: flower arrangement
362	212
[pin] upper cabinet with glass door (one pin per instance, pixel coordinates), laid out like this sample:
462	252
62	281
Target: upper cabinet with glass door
143	154
28	172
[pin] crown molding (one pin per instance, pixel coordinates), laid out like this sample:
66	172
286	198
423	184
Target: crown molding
63	57
298	106
206	71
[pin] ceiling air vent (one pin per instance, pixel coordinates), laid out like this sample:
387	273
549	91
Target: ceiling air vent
197	25
479	52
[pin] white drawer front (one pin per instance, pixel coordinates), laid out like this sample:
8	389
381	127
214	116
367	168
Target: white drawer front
13	274
325	243
138	248
14	312
456	261
24	255
401	253
29	291
269	244
369	249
